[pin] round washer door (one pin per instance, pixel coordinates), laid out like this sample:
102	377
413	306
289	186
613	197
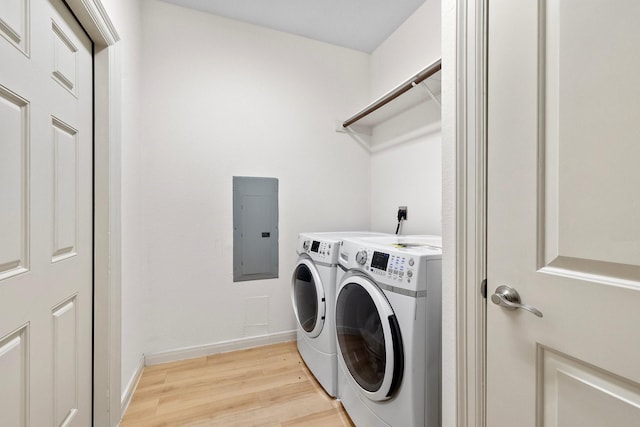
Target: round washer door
369	340
307	297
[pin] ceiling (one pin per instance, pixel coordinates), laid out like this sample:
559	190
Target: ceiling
356	24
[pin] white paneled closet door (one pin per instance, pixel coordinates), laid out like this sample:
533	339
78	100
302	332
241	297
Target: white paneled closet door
564	213
46	245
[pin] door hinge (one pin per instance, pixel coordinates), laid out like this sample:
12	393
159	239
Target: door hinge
483	288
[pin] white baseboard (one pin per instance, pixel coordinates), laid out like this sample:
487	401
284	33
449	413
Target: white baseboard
131	386
221	347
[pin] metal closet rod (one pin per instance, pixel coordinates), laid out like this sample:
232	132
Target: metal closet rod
404	87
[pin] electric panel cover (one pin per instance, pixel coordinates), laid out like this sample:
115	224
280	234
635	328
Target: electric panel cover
255	228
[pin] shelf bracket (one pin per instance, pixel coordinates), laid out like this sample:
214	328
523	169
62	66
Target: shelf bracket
358	137
426	87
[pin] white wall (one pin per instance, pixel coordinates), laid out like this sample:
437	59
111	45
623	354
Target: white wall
408	174
222	98
126	17
413	46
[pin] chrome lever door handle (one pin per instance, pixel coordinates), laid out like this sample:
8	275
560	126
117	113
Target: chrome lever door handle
507	297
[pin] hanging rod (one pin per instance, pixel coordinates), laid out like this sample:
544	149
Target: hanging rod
404	87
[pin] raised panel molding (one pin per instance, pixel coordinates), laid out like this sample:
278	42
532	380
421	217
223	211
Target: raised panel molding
65	361
65	60
14	23
65	190
14	185
14	374
574	394
592	231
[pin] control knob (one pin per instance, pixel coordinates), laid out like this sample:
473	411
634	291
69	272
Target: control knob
409	273
305	245
361	257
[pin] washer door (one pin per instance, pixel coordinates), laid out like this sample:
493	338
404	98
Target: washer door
369	338
307	297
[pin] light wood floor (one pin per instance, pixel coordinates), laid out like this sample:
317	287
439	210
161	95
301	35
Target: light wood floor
264	386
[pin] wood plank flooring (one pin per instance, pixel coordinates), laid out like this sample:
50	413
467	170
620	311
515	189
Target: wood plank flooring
264	386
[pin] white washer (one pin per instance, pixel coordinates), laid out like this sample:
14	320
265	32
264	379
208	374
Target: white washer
313	291
388	324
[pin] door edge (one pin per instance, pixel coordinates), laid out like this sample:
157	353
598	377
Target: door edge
107	405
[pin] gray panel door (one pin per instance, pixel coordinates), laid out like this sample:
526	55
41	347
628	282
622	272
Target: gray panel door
255	228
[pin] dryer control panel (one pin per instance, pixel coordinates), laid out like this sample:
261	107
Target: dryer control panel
319	250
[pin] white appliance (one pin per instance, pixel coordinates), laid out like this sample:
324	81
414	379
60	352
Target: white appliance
388	326
313	292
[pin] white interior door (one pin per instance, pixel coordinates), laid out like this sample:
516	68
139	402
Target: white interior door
564	212
45	216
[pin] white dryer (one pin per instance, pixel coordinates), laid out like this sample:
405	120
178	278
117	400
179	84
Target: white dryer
388	312
313	292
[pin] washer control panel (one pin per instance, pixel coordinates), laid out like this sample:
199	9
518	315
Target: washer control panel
396	267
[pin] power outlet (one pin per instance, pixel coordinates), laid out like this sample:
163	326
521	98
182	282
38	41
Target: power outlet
402	213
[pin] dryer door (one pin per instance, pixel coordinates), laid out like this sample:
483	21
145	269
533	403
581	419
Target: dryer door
307	297
369	340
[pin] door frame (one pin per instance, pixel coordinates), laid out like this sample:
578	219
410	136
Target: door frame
465	31
96	22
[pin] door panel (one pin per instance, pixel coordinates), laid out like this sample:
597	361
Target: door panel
590	137
65	360
46	144
14	371
14	184
14	22
65	59
65	190
568	384
563	211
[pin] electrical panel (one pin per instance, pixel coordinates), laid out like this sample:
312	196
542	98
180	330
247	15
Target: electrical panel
255	228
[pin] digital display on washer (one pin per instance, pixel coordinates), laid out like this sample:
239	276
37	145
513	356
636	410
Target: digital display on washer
314	246
380	260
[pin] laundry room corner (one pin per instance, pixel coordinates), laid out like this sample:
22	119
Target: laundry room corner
406	149
233	99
